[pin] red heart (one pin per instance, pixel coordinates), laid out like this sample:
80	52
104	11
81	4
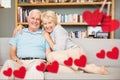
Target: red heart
108	24
101	54
8	72
53	67
20	73
41	67
94	18
81	62
113	54
68	62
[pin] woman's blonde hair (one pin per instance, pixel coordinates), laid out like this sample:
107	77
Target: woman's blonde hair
51	15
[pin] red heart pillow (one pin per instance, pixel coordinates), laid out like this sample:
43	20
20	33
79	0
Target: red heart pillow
8	72
81	62
93	19
20	73
68	62
41	67
53	67
101	54
108	24
114	54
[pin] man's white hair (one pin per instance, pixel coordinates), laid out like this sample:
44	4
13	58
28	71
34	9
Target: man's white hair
35	10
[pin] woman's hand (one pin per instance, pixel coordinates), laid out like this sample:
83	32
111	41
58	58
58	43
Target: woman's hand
46	35
48	38
18	28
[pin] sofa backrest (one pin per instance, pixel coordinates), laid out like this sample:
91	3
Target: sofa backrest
4	50
92	46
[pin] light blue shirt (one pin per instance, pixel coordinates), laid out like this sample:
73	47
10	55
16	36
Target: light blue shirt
30	44
61	39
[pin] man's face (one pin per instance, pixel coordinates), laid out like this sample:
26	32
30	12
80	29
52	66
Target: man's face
34	21
49	25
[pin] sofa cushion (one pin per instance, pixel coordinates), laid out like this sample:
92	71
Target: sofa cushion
92	46
113	75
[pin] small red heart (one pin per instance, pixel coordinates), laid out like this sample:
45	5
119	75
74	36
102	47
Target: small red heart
114	54
68	62
108	24
101	54
8	72
81	62
94	18
53	67
20	73
41	67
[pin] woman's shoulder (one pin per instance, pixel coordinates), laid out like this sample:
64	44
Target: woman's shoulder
59	28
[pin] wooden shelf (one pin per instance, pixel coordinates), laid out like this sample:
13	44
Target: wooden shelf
73	23
65	23
22	23
62	4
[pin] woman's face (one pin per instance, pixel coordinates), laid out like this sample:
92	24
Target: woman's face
48	25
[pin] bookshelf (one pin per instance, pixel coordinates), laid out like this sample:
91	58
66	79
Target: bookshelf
23	7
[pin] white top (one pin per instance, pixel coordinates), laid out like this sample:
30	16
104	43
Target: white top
61	39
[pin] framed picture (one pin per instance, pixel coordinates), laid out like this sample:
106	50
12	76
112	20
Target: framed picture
92	31
104	35
5	3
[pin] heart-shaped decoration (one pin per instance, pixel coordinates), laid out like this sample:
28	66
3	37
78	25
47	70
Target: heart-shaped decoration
20	73
108	24
81	62
114	54
93	19
68	62
41	67
101	54
8	72
53	67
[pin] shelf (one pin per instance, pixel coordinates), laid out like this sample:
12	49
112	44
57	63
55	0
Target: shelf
62	4
73	23
23	23
65	23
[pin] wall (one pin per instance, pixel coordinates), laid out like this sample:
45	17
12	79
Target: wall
117	16
7	19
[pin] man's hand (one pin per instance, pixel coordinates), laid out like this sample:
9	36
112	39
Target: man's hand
19	61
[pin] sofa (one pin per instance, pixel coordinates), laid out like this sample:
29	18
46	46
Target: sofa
92	48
